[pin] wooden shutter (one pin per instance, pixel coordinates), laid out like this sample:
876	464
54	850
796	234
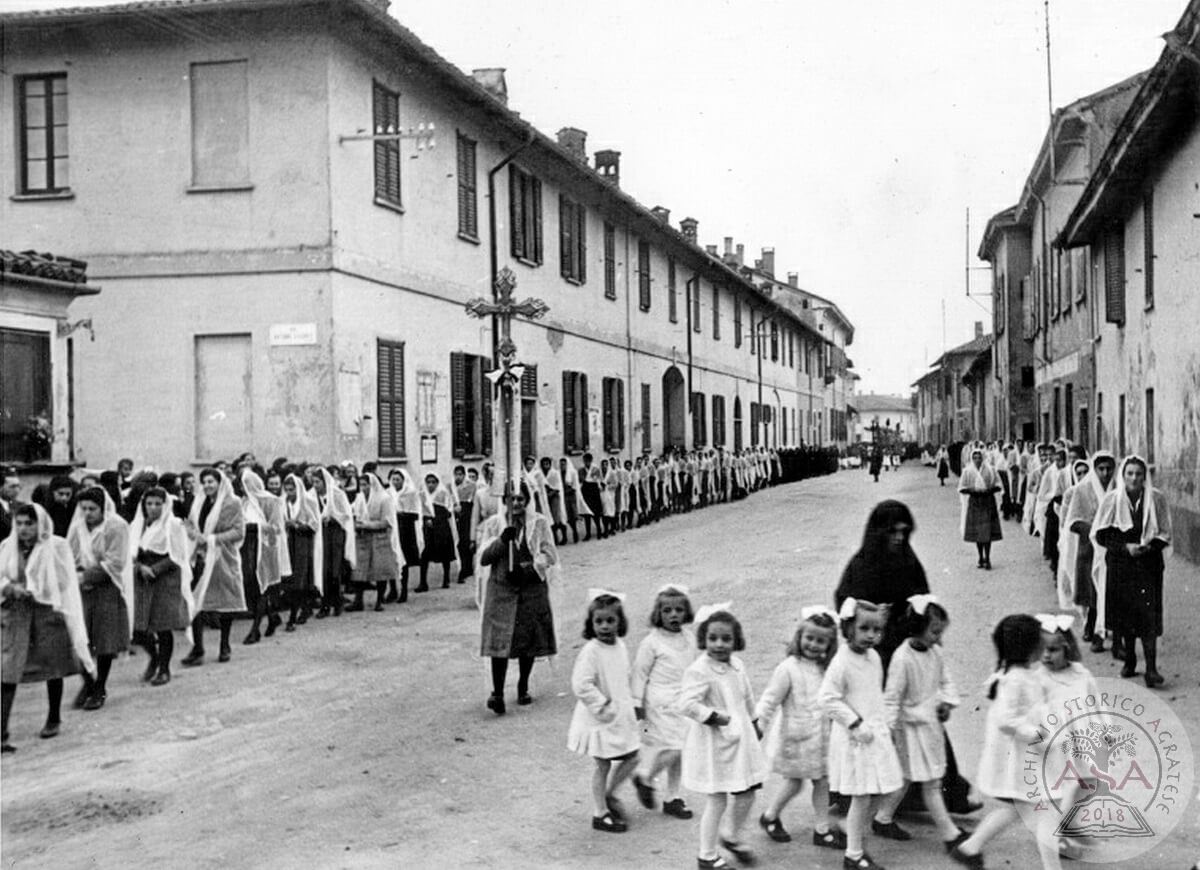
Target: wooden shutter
535	210
607	405
716	305
468	219
672	293
647	444
580	243
581	409
620	415
516	213
737	322
1148	250
458	405
485	407
696	303
1114	274
568	410
386	116
566	237
390	397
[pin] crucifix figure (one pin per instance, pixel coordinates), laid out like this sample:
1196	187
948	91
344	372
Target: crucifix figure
507	374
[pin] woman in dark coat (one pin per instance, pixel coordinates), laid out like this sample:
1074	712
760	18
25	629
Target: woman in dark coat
885	570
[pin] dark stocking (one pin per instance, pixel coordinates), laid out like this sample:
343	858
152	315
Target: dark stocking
198	635
8	692
226	622
403	585
445	575
293	610
499	673
54	690
423	582
103	666
166	647
380	594
150	644
1129	642
1150	648
525	667
1089	625
574	532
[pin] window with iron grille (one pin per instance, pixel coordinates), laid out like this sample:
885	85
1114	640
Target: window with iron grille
468	196
389	397
610	261
575	412
42	134
672	294
572	228
529	398
1114	275
614	414
737	321
718	421
386	114
647	424
525	215
644	275
699	424
716	312
471	405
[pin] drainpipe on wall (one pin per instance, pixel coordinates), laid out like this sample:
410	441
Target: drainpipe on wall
628	348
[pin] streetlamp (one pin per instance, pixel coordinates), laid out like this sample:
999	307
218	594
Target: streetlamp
508	374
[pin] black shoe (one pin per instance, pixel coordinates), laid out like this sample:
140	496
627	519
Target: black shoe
273	622
1097	644
6	747
1153	679
378	607
863	863
225	654
291	626
774	829
95	700
422	587
524	699
303	618
615	809
322	613
82	695
50	729
608	824
151	667
356	607
193	659
1129	670
739	850
253	637
676	808
834	838
958	856
496	704
645	791
162	677
391	596
890	831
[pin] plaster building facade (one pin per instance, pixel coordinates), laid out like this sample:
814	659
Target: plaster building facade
946	409
1137	222
894	413
286	259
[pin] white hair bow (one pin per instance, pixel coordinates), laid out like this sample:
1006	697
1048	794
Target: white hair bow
672	587
1055	622
848	608
709	609
593	594
920	603
807	613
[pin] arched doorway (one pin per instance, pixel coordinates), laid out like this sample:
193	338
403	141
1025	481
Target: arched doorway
674	410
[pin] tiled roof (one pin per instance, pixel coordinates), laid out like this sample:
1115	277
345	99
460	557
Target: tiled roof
37	265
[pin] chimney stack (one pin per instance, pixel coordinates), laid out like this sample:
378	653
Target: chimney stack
768	261
492	81
575	141
741	254
608	165
689	226
794	280
979	329
729	246
712	249
662	213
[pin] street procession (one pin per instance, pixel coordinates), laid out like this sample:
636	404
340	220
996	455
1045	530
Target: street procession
343	531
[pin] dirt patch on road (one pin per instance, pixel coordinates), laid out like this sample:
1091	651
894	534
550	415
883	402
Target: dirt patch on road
81	812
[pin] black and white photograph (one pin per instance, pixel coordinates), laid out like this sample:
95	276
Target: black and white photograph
553	434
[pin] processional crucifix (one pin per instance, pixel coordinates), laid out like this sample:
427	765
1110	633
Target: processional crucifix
508	371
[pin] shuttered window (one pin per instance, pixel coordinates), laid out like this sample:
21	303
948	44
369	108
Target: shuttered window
672	293
471	405
699	424
694	296
718	421
468	195
529	396
737	322
753	333
386	113
525	215
572	231
390	397
737	422
1148	247
716	312
1114	275
574	411
610	261
754	421
644	275
614	414
647	424
774	341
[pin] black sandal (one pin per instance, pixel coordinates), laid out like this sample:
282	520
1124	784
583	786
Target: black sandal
739	850
774	829
834	838
717	863
608	824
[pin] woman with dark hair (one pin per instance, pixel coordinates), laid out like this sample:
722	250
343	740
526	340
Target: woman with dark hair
162	581
515	594
41	615
60	501
885	570
264	552
217	527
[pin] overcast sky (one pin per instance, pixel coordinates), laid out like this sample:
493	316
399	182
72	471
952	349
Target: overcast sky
849	136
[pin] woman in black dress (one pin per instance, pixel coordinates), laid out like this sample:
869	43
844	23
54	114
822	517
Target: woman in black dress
440	537
1133	525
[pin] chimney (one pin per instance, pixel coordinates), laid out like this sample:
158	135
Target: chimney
689	226
758	265
768	261
741	254
712	249
608	165
662	213
729	246
794	280
574	140
492	81
979	329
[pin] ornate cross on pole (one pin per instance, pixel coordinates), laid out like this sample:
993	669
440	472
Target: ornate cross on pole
508	371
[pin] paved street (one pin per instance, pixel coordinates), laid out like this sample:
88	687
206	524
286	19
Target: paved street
364	742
